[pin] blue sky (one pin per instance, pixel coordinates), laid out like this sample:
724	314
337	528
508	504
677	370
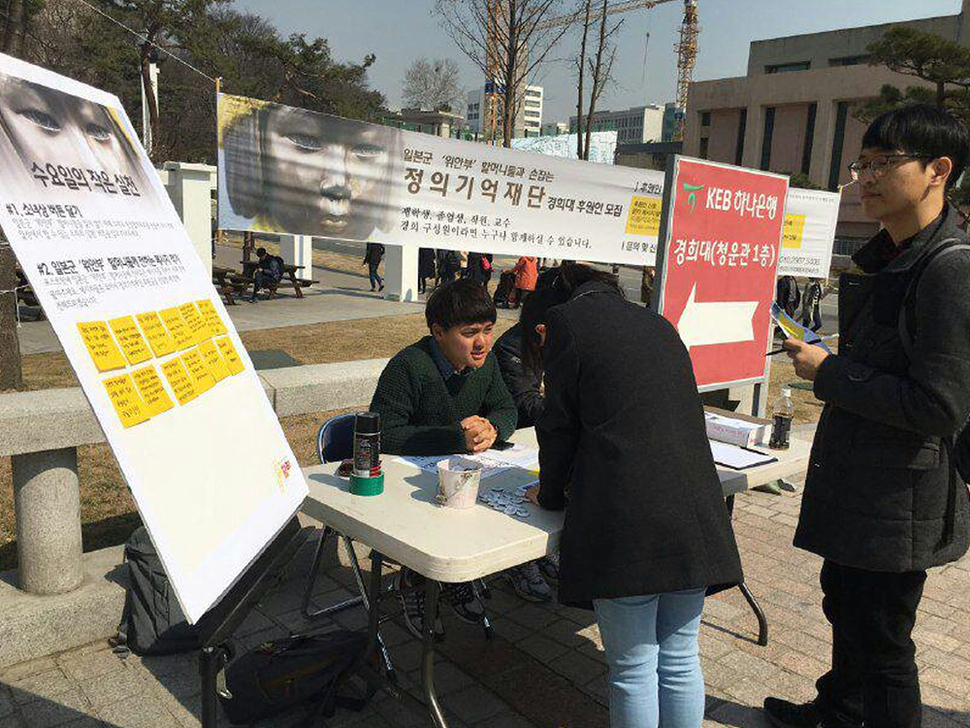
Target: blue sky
398	31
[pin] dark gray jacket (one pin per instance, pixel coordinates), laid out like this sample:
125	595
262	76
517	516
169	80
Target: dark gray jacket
623	448
880	493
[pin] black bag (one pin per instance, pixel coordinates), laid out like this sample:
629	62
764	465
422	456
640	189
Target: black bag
907	333
283	673
152	622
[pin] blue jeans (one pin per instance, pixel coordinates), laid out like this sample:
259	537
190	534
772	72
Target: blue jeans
651	649
375	279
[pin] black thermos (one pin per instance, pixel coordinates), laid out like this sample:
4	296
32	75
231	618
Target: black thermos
367	444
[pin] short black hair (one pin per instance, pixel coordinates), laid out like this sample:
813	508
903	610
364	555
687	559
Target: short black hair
534	312
459	302
260	252
922	129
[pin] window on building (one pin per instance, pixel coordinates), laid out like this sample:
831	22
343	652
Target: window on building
533	92
766	141
742	130
705	143
838	140
809	138
850	60
788	67
706	118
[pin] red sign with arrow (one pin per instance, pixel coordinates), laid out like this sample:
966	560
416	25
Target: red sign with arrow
720	256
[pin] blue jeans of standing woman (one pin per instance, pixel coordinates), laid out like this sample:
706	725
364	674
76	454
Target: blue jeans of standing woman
651	649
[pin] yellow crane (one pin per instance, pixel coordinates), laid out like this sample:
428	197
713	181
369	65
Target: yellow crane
686	52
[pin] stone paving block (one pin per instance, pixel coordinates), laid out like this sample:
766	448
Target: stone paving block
42	686
187	710
26	669
255	621
577	668
953	684
6	701
582	617
91	665
449	679
801	664
532	617
474	704
512	631
542	648
506	720
567	633
733	714
113	687
399	715
502	600
11	721
599	689
749	691
407	656
148	713
64	708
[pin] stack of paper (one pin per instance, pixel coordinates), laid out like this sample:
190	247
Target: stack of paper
739	458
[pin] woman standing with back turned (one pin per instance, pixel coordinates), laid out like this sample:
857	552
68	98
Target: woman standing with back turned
623	448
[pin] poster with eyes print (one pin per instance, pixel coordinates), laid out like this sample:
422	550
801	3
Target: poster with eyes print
151	344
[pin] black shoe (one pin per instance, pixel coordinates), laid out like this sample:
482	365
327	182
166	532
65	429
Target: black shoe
252	299
464	600
413	603
784	714
381	287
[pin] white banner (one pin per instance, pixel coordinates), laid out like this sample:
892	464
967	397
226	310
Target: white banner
152	345
291	171
809	234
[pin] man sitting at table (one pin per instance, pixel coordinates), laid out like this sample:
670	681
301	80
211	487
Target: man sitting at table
445	395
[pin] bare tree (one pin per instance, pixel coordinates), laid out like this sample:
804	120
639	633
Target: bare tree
508	40
600	68
433	84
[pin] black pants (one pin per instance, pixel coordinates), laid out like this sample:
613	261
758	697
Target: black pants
264	279
874	679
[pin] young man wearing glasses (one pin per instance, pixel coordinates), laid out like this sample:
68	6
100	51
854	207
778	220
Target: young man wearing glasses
883	501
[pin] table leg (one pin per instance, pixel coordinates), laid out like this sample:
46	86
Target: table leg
296	285
211	660
748	596
427	657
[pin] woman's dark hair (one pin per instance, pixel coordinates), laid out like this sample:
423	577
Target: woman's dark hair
459	302
922	129
260	252
570	277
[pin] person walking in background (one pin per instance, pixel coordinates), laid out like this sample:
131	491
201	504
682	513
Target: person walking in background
526	274
462	263
372	259
787	295
812	304
426	268
624	451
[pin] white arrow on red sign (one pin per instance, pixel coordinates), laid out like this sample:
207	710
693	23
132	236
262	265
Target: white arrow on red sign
716	322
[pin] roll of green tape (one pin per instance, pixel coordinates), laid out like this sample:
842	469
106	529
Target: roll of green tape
367	486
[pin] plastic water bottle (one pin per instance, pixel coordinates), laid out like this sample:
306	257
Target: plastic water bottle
782	412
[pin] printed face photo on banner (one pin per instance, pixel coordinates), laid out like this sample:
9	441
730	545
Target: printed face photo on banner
296	171
64	142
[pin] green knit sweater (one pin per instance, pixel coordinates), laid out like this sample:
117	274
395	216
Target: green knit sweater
421	414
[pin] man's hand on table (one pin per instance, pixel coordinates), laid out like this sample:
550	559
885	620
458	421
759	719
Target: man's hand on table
480	434
532	494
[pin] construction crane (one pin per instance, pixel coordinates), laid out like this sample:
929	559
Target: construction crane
686	52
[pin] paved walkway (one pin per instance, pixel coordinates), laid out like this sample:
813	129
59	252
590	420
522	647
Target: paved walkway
545	666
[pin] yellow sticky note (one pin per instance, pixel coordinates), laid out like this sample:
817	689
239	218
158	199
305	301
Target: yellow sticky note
176	327
198	328
229	354
130	339
102	348
199	372
158	337
213	360
644	216
179	380
794	231
211	317
131	410
152	391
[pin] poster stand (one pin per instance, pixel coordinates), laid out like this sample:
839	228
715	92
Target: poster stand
760	385
217	625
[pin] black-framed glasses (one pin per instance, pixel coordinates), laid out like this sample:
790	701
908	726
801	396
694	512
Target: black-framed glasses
878	166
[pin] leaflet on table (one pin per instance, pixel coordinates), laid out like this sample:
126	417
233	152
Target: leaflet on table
739	458
493	462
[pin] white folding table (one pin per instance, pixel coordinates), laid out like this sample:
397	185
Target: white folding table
446	545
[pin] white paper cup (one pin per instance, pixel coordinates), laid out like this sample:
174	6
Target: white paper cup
458	482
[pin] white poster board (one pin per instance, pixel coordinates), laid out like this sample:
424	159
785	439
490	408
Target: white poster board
150	341
809	235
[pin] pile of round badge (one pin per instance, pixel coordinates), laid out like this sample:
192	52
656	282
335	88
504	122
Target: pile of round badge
511	504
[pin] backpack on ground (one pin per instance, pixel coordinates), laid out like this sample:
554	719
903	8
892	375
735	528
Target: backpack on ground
281	674
152	622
